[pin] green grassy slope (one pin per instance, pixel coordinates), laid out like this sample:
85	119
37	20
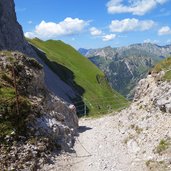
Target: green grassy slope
97	95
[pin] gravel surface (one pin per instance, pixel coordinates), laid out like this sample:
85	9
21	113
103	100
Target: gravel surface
99	147
121	142
102	140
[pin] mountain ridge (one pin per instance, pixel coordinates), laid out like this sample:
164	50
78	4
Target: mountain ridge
84	51
125	66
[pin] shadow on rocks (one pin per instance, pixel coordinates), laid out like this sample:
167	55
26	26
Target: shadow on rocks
82	129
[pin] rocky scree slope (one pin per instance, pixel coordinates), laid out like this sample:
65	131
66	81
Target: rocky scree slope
125	66
33	122
137	138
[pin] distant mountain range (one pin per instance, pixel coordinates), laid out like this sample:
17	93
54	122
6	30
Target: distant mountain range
125	66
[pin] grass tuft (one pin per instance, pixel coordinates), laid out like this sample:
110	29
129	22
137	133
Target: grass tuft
163	146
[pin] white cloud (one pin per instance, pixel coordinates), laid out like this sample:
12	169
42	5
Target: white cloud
95	32
130	24
30	35
136	7
151	41
109	37
48	30
164	31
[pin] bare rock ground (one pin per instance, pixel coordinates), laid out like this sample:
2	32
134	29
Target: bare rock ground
136	139
119	142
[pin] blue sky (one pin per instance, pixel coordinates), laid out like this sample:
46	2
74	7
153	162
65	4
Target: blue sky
97	23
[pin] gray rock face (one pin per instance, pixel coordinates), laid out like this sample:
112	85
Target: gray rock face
55	119
50	116
11	34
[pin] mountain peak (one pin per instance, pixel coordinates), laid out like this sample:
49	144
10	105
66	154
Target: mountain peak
11	34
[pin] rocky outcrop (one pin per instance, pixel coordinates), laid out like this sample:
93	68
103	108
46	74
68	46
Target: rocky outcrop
154	92
147	123
52	112
33	121
50	123
11	34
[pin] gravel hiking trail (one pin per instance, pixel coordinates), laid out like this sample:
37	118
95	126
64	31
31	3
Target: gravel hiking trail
100	146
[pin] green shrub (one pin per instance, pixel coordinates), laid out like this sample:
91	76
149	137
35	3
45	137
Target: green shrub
163	145
9	113
6	128
153	165
34	63
7	78
163	65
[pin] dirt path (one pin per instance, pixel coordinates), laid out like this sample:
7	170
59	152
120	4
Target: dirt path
100	146
100	138
105	147
121	142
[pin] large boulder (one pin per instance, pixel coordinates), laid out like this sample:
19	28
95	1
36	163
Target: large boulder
49	116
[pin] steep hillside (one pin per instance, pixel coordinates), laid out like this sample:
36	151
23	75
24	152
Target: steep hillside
64	80
33	122
81	75
125	66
